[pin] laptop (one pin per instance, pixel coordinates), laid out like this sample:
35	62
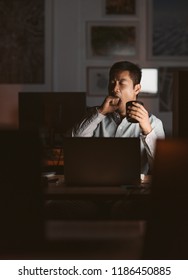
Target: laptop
101	161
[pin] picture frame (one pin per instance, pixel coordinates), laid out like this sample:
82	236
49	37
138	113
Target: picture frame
112	39
97	81
167	34
120	8
30	80
28	39
165	88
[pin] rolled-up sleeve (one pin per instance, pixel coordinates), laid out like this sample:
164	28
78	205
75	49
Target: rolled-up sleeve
149	140
88	124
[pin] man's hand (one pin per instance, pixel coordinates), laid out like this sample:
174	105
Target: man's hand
110	104
139	113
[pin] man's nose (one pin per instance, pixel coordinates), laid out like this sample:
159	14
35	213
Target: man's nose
116	88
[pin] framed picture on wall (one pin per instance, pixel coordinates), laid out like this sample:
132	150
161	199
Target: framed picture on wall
120	8
25	51
27	39
112	39
97	81
167	34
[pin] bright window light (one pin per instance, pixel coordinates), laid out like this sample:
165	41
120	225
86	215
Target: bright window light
149	81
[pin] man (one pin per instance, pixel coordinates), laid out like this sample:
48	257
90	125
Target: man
109	119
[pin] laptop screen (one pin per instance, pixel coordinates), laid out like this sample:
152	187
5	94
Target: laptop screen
102	161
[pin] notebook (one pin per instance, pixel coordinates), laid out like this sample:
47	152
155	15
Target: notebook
101	161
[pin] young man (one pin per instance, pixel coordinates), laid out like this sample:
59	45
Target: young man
109	119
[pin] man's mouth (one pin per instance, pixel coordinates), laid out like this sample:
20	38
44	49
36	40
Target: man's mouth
116	95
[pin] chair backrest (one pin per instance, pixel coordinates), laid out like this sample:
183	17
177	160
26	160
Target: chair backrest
21	206
167	227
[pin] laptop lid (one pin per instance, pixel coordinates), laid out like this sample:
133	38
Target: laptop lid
101	161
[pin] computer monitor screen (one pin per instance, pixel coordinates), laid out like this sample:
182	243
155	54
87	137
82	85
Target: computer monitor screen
149	81
51	114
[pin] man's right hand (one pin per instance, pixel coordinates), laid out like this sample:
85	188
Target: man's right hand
110	104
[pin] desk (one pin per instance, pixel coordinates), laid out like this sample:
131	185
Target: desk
88	223
65	202
95	222
58	191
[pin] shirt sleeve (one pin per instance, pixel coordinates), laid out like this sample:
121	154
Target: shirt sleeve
88	124
149	140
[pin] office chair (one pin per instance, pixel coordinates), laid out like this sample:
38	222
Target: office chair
21	205
167	226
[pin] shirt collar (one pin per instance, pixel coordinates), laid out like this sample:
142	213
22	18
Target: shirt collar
116	117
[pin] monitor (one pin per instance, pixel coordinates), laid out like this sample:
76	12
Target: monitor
51	114
149	81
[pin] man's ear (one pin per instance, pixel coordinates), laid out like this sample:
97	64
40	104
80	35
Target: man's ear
137	88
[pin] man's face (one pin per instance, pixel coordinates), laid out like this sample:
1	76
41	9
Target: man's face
121	85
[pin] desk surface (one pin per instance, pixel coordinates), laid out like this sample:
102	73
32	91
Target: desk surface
119	203
56	189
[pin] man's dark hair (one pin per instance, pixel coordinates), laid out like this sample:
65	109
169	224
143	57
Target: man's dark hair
134	70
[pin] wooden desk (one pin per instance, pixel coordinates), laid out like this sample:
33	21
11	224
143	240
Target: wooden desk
84	233
59	191
66	202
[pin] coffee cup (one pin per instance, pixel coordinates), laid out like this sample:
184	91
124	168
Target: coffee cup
129	104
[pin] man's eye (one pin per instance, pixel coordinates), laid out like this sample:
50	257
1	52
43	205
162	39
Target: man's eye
123	83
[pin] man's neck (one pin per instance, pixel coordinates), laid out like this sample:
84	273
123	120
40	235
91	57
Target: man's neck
121	114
